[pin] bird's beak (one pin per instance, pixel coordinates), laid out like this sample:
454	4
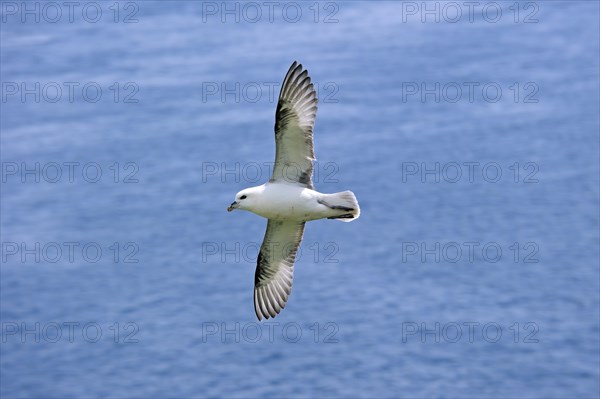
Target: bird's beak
232	206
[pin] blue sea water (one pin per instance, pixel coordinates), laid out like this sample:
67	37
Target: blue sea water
473	270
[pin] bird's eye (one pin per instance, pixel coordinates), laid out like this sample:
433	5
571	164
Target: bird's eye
243	197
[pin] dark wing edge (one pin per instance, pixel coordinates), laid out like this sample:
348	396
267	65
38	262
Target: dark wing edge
275	267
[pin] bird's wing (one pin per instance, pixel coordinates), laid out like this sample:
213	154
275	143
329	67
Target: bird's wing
275	267
294	122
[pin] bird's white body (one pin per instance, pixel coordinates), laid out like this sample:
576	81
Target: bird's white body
284	201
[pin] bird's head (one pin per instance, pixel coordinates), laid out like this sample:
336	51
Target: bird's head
245	199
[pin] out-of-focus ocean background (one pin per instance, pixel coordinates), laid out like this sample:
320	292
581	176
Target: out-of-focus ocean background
387	306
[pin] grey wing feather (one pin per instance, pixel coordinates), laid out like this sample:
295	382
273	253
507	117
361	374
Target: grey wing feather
275	267
294	124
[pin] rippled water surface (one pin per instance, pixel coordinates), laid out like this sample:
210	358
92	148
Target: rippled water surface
473	270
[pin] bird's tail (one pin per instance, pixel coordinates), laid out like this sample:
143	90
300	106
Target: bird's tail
345	205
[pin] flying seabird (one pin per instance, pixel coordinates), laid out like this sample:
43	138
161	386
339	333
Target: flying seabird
288	200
